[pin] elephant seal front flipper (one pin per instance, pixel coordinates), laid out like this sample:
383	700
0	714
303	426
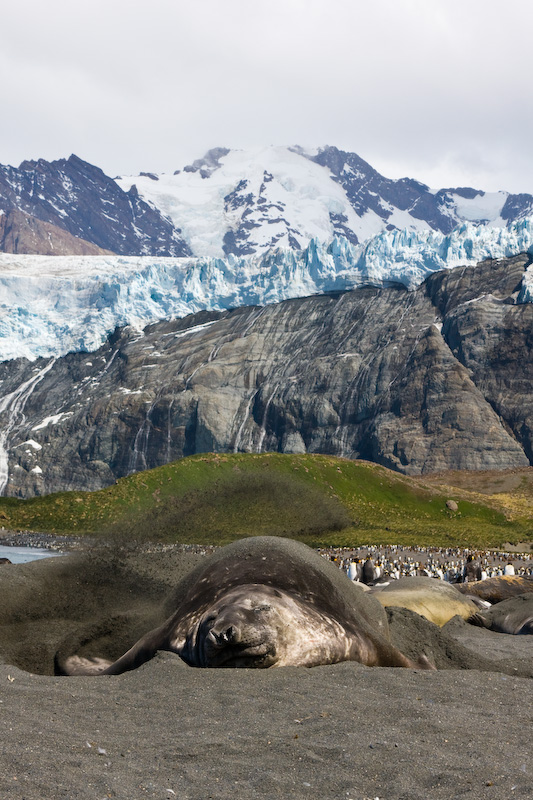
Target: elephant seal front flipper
78	665
142	651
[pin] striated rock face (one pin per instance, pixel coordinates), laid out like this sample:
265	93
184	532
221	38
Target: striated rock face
433	379
22	233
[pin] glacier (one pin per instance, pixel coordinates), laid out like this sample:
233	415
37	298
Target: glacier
525	294
52	305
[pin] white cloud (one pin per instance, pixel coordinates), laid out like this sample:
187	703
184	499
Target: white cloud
438	90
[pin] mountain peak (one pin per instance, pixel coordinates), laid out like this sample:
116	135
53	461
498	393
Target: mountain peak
251	201
244	202
209	163
80	206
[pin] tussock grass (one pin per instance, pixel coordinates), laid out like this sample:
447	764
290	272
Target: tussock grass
240	504
322	500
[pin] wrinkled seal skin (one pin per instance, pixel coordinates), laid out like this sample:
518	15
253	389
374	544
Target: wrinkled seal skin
263	602
513	616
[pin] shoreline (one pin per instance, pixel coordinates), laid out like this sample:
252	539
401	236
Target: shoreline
43	541
69	542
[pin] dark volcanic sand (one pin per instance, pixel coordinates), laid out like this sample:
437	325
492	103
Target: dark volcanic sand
167	730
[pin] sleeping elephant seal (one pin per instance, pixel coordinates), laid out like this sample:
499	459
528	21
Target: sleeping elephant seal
514	616
501	587
262	602
433	599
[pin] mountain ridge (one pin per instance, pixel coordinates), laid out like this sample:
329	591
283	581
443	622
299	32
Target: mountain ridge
263	198
78	198
239	202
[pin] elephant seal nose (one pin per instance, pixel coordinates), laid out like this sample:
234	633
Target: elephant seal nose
222	637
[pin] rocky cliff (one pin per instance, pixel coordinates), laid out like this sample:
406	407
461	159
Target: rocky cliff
425	380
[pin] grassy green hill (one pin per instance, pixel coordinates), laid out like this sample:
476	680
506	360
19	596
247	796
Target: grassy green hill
321	500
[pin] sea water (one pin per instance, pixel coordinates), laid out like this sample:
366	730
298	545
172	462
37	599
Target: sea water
20	555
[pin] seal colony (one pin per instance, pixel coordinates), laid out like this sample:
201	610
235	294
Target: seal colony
262	602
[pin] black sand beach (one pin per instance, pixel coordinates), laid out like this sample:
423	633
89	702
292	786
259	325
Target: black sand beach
167	730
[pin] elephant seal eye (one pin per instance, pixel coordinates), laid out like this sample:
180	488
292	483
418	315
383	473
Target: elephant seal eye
261	609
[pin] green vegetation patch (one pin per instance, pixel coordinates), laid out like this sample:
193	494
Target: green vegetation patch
322	500
239	504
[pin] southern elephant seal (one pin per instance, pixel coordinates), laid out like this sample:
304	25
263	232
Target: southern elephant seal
433	599
499	588
262	602
514	616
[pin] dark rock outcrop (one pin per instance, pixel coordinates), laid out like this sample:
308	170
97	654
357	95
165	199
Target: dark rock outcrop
81	200
433	379
258	211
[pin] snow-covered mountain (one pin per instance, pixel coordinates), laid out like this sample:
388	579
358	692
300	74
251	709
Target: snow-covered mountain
264	225
230	202
71	207
247	202
50	306
419	378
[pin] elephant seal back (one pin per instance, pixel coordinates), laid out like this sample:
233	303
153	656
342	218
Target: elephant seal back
433	599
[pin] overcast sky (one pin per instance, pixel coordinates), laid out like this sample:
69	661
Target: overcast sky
438	90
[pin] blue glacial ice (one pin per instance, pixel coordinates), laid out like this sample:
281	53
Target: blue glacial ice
50	305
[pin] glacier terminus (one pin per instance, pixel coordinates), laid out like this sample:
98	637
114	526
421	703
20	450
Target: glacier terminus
52	305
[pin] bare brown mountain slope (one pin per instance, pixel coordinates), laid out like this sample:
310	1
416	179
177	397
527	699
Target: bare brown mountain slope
22	233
